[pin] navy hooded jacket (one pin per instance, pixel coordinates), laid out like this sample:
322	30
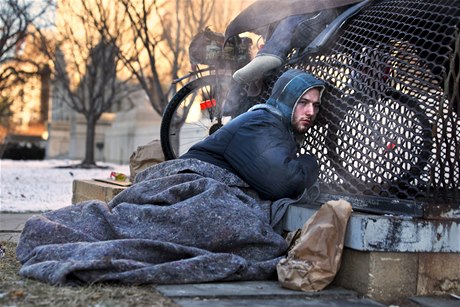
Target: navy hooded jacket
260	145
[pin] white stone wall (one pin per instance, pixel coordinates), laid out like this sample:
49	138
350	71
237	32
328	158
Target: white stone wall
129	130
57	145
117	134
78	136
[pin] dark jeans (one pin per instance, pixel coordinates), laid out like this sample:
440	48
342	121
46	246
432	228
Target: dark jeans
296	32
292	32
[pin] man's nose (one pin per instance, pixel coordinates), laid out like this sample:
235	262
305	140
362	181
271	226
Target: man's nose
309	109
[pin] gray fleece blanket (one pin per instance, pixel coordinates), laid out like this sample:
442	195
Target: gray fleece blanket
182	221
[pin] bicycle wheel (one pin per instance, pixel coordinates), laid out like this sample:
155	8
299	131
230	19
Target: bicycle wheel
193	113
386	144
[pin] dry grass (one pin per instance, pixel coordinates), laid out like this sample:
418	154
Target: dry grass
18	291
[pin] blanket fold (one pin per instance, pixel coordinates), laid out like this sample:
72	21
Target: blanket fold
181	221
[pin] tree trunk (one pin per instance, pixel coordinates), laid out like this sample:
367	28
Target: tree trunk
90	137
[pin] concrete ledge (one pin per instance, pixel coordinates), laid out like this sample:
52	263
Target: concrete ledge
83	190
370	232
247	289
259	293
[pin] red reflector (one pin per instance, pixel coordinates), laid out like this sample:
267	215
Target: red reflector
391	146
208	104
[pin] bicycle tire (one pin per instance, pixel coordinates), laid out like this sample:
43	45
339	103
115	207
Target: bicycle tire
193	113
391	151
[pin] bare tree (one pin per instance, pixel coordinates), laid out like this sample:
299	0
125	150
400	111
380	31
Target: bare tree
160	33
18	20
5	110
87	70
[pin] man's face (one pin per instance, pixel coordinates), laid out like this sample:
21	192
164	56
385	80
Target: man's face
306	110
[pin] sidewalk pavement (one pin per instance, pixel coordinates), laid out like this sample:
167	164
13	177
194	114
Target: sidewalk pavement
11	225
251	293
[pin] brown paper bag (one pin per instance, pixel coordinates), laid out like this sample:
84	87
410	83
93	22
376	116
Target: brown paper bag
315	258
144	157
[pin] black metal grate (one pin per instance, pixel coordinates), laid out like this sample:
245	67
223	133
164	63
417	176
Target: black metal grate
389	125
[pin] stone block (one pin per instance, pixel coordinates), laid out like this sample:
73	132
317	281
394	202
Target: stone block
390	277
386	277
439	273
83	190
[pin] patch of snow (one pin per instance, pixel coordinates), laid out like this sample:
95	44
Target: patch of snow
38	186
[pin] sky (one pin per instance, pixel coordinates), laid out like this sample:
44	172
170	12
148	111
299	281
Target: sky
38	186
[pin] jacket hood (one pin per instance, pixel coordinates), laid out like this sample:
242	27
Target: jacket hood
289	87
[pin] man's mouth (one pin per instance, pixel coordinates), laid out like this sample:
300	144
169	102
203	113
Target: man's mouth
305	121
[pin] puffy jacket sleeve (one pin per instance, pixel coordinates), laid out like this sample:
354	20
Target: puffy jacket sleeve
263	153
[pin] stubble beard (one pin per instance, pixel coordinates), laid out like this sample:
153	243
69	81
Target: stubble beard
300	129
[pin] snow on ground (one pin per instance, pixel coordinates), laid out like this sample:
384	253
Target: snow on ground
37	186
